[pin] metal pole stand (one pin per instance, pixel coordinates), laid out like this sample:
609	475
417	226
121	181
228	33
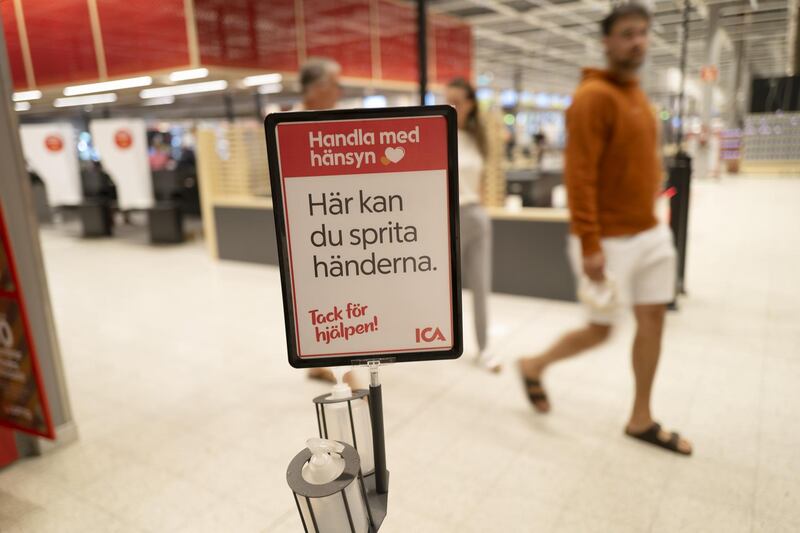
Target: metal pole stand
680	178
377	485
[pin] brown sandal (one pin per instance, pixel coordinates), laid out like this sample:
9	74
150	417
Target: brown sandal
536	393
651	436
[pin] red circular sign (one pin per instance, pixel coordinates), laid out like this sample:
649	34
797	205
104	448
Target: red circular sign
54	143
123	138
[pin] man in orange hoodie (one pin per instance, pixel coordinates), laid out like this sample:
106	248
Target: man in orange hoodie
621	255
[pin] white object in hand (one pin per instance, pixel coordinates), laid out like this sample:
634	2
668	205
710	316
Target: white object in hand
599	295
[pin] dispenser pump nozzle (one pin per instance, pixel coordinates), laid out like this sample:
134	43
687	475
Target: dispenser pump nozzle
326	462
341	390
324	446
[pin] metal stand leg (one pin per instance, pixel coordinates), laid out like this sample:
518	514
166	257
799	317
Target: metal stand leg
378	436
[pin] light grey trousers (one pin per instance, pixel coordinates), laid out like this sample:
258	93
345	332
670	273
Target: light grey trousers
476	264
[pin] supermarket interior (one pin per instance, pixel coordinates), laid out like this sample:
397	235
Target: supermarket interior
152	377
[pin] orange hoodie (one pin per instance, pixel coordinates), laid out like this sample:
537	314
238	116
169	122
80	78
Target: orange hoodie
612	168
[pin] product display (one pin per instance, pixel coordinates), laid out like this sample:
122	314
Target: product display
772	137
730	145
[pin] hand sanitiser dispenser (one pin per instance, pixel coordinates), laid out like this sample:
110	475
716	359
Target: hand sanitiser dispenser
329	488
343	415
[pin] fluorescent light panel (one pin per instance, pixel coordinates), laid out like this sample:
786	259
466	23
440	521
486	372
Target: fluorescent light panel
22	106
163	100
189	88
263	79
107	98
26	95
127	83
193	74
271	88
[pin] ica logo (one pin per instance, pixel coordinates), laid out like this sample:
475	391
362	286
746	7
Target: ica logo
429	335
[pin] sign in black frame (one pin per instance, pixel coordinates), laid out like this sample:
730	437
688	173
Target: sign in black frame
270	125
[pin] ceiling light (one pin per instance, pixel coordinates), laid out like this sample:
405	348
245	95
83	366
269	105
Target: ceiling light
106	98
189	88
22	106
193	74
162	100
26	95
127	83
271	88
264	79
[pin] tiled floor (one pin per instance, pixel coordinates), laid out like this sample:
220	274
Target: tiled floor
189	413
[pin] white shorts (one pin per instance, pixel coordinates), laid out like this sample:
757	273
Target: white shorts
643	267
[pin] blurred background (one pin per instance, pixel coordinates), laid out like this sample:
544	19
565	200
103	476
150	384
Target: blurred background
146	216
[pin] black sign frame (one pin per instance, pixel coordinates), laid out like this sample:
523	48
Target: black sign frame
270	125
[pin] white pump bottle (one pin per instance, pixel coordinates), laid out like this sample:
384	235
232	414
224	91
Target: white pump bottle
337	419
326	465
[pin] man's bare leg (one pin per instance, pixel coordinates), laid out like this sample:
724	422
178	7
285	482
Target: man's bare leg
570	345
646	352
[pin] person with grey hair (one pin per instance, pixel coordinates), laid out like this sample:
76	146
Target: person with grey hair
319	81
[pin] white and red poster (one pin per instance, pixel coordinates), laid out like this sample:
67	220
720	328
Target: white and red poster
367	217
50	150
122	145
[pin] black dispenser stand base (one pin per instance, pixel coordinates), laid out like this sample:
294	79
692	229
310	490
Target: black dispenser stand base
377	485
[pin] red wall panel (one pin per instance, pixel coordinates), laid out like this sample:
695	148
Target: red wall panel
151	34
13	46
247	33
398	41
8	445
340	30
453	49
60	36
143	35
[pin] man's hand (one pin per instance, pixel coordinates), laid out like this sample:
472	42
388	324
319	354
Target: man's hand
594	266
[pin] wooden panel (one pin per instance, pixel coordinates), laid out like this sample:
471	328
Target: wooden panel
494	182
15	61
237	165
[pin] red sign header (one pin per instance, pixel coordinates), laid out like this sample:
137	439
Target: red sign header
362	146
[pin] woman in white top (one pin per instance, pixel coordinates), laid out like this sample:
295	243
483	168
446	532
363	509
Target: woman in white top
476	228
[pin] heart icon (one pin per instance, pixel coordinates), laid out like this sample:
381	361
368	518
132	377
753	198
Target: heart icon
395	154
